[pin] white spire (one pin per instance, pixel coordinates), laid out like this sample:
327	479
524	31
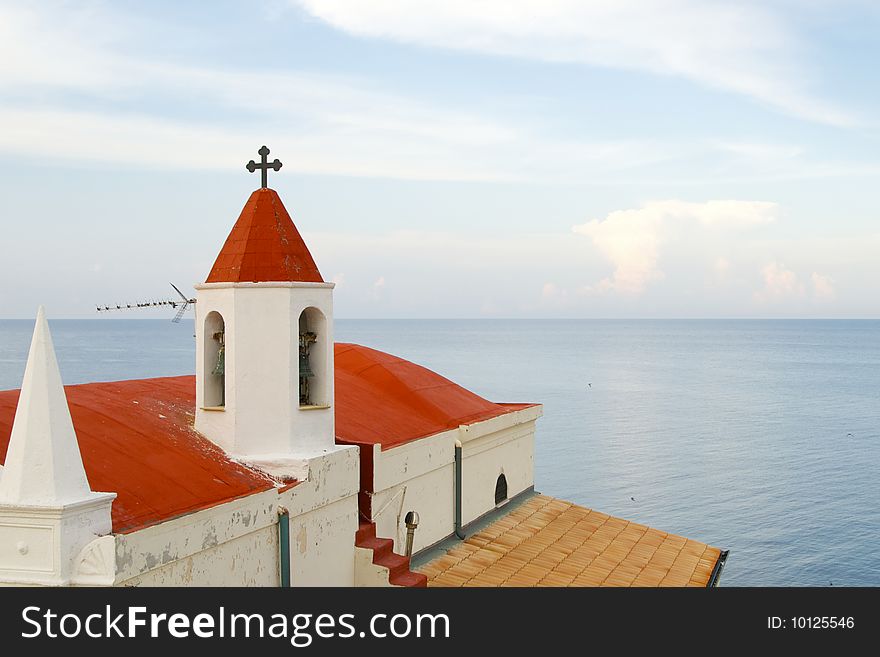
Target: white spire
43	463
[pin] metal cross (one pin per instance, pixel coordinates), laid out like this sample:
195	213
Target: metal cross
264	166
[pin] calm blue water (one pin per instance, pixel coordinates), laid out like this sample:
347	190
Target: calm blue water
732	432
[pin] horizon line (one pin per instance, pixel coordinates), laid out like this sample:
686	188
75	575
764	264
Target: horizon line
482	318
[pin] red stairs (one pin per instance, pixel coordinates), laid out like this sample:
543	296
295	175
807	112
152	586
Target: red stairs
399	573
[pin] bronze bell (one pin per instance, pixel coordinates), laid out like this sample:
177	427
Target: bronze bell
220	365
305	370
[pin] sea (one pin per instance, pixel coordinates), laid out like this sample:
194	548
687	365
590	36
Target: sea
758	436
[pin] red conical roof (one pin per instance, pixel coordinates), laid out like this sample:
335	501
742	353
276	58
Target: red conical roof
264	245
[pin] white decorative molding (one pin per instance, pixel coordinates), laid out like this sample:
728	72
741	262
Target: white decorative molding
96	563
27	547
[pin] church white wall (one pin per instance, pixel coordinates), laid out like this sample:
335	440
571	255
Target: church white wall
264	372
202	545
236	544
322	551
419	476
249	560
509	452
324	519
262	417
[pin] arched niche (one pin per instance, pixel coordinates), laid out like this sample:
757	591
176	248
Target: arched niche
214	375
314	388
501	489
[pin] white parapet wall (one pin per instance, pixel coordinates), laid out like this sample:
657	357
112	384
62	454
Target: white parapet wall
502	446
200	549
248	560
323	520
237	543
417	476
420	476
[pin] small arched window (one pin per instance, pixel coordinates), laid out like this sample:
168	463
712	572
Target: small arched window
312	362
214	375
500	489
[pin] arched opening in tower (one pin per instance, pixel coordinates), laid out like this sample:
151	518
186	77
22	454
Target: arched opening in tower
312	363
215	361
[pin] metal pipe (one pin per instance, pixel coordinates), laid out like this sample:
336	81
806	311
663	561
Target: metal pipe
412	522
284	545
716	571
458	532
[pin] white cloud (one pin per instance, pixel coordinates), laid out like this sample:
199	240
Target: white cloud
722	266
631	239
553	293
374	292
823	287
549	290
780	283
742	48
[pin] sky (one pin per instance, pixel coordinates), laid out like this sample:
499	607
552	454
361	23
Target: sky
454	159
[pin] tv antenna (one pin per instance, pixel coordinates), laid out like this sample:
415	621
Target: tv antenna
176	304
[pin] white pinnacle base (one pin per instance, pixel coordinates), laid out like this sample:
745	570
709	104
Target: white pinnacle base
48	511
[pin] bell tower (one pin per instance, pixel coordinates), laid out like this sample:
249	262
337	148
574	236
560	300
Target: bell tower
264	340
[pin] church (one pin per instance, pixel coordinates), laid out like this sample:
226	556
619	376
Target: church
291	460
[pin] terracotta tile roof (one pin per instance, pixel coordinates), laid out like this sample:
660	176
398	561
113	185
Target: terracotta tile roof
550	542
264	245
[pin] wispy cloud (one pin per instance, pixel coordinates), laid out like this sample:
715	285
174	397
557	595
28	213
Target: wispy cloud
742	48
74	88
721	266
823	287
780	284
335	124
760	151
631	239
375	291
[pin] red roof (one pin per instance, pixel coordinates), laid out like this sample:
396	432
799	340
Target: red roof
264	245
137	437
137	440
382	399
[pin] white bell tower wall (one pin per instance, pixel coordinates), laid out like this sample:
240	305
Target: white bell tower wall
250	402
